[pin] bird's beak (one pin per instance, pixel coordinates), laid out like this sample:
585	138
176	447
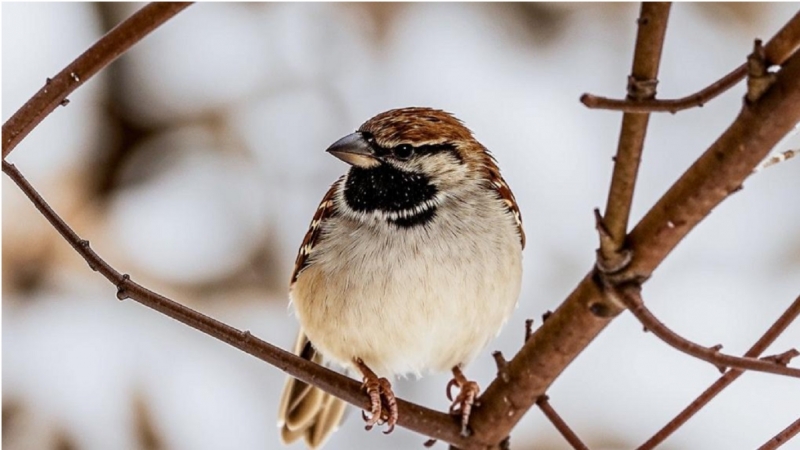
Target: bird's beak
354	150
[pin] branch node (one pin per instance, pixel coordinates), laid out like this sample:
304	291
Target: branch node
716	349
64	102
502	366
759	79
48	80
601	310
610	259
430	443
84	244
528	329
122	292
784	358
639	90
546	315
505	444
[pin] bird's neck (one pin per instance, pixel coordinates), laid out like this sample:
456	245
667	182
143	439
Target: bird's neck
406	199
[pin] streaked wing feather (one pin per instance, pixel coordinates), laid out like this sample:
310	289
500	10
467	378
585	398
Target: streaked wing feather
325	210
500	185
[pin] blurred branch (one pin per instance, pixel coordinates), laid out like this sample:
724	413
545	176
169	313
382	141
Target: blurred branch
719	172
725	380
778	50
632	298
782	437
544	404
642	82
775	159
103	52
422	420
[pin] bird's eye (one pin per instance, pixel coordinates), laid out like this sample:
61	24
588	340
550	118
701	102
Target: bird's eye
403	152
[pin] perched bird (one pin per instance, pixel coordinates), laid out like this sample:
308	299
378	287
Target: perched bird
412	263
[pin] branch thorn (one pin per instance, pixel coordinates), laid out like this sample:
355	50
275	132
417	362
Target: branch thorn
528	329
122	293
759	79
502	364
784	358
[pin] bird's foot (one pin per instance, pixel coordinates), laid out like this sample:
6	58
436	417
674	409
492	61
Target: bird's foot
465	400
383	407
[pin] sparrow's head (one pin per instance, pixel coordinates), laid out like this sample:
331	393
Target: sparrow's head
407	162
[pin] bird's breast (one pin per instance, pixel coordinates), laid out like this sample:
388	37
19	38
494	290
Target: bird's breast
411	299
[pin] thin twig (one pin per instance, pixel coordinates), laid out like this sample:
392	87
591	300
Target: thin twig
775	159
642	82
544	404
103	52
778	50
632	298
782	437
698	99
414	417
777	328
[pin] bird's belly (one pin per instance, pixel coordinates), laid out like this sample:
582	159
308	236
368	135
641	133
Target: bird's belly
436	309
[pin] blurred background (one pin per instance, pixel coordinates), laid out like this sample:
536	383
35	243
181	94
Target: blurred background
196	161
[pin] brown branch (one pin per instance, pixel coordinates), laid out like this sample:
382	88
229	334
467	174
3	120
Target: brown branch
544	404
103	52
632	298
414	417
782	437
778	50
699	98
780	325
720	171
641	86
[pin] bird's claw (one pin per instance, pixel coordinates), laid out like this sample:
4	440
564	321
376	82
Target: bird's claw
464	401
383	404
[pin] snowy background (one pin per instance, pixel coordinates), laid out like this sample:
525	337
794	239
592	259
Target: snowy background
195	163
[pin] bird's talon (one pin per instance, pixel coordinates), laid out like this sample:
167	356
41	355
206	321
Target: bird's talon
465	400
449	389
383	404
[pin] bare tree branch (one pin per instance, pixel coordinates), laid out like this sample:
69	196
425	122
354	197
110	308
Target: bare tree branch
642	83
725	380
775	159
102	53
720	171
778	50
782	437
544	404
632	298
699	98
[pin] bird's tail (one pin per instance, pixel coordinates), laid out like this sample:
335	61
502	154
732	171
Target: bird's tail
306	411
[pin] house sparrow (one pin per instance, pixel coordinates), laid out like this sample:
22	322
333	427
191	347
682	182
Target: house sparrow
412	263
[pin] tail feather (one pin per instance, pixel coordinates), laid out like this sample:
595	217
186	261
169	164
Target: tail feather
306	411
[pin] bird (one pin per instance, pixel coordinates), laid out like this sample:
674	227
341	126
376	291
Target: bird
412	264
